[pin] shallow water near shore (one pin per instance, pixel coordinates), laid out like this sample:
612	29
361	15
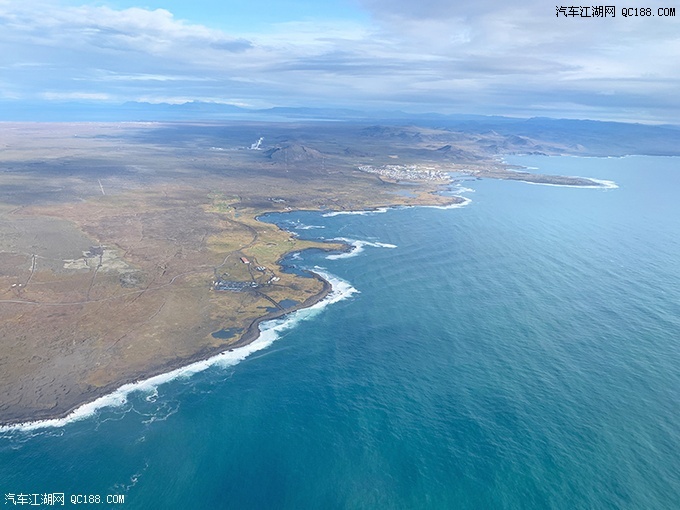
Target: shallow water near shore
522	351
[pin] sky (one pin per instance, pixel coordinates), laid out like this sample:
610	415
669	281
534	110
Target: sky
489	57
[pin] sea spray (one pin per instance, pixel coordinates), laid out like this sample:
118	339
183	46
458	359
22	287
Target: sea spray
357	247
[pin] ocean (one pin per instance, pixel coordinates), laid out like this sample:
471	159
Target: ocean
522	351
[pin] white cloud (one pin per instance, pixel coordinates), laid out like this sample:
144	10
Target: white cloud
144	77
483	56
75	96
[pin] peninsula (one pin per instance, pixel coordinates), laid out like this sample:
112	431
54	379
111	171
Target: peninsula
131	249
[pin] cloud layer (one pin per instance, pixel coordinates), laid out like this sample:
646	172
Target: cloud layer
482	56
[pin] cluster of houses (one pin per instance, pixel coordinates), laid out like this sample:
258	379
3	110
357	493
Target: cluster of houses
233	286
406	173
223	284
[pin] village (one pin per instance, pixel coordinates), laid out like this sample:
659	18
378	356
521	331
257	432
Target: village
222	284
406	173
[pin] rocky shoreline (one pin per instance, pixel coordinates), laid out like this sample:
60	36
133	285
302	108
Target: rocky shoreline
21	416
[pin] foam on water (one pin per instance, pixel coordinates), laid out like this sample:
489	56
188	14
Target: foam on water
308	227
269	332
357	248
361	213
456	188
604	184
465	202
463	189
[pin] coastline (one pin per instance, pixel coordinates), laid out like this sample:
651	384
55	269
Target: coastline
64	380
253	332
115	393
57	416
521	173
120	390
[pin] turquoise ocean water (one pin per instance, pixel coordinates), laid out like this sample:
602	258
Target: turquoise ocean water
520	352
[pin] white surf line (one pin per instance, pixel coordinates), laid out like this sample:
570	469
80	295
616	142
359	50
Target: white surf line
357	247
465	202
606	184
307	227
269	332
360	213
463	189
101	187
603	184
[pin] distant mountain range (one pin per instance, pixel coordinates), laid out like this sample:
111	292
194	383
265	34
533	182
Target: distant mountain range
55	111
585	137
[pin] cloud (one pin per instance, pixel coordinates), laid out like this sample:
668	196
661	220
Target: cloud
483	56
236	45
521	50
154	32
431	9
75	96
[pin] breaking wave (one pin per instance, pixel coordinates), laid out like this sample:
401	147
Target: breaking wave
270	331
465	202
603	184
308	227
357	248
361	213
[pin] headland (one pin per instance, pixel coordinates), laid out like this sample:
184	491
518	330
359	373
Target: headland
129	250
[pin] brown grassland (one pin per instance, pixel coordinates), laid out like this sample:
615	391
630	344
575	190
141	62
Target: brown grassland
111	236
109	244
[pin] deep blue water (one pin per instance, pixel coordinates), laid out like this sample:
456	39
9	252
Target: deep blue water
520	352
